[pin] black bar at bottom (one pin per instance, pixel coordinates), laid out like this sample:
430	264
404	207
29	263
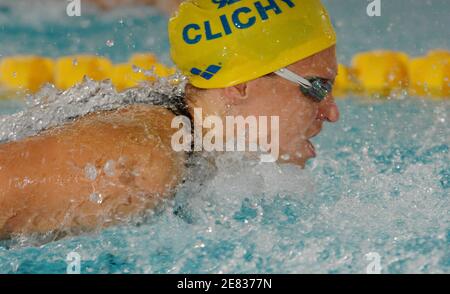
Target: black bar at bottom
221	283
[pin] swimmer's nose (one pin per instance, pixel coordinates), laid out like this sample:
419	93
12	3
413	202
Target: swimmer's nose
328	111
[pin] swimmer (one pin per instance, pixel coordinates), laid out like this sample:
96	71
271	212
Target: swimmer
242	58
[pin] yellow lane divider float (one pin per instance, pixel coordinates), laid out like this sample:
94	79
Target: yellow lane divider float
383	73
30	73
375	73
127	75
430	75
70	70
24	73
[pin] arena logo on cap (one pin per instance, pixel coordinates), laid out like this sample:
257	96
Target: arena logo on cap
208	73
193	33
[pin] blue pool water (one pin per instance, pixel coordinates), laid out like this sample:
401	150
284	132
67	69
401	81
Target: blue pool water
381	182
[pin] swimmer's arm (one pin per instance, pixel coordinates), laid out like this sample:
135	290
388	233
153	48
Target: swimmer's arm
94	172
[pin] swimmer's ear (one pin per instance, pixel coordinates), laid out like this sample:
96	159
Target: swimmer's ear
237	93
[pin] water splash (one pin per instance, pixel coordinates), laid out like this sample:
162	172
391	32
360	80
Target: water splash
50	108
380	184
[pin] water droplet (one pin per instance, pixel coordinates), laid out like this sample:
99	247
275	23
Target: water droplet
90	171
96	198
110	168
200	245
285	157
136	69
110	43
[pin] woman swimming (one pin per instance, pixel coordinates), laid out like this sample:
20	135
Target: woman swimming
243	58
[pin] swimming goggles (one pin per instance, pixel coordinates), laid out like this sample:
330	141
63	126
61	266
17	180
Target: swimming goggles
313	87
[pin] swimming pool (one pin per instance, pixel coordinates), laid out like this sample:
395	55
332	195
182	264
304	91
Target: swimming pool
381	182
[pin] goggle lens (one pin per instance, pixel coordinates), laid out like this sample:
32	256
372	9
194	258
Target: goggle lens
319	90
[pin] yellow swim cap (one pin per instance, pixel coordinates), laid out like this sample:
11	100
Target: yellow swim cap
221	43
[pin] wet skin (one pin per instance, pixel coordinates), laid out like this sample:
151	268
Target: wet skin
46	184
301	118
47	181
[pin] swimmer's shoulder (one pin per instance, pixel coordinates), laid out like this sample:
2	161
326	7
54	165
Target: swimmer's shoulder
133	142
142	127
145	120
139	133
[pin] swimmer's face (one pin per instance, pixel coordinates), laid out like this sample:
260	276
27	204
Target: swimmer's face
301	118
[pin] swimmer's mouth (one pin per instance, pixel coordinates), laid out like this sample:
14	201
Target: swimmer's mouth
311	149
310	146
